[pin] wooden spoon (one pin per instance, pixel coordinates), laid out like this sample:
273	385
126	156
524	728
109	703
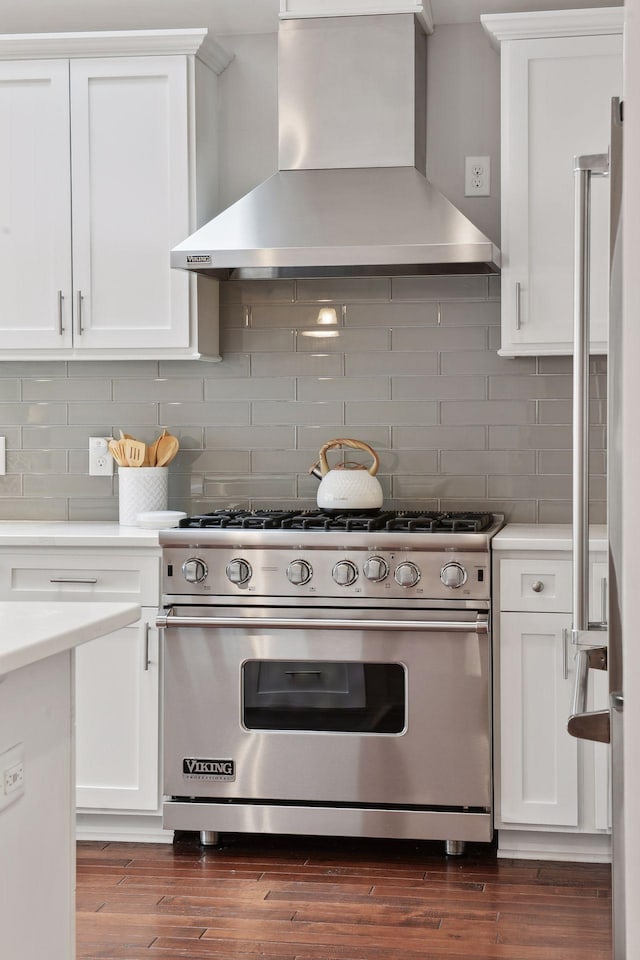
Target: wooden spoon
167	448
134	451
152	450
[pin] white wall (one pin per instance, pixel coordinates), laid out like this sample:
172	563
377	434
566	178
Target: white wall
463	117
248	115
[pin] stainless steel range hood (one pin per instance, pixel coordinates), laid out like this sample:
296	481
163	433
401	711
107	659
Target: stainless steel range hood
350	198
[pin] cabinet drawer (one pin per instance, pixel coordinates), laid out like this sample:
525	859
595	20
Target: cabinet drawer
542	585
66	576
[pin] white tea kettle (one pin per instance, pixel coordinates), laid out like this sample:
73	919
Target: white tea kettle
348	486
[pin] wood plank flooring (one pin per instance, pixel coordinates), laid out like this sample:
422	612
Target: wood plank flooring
278	898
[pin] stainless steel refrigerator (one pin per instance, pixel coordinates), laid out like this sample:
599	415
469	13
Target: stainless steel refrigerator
599	645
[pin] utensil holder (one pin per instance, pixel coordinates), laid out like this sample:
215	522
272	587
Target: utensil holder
141	490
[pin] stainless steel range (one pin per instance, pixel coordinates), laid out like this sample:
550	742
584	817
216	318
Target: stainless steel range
328	674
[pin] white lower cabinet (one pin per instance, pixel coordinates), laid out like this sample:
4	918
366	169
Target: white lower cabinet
117	709
117	684
539	760
552	791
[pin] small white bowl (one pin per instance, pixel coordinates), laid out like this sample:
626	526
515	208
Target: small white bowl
159	519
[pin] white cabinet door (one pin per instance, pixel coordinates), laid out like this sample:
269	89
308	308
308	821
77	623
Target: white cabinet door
556	103
35	204
117	719
538	758
130	179
107	162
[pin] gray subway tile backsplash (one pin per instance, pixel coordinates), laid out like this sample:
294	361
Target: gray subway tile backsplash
343	290
414	372
439	288
439	338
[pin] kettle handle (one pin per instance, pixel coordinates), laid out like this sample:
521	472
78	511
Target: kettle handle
345	442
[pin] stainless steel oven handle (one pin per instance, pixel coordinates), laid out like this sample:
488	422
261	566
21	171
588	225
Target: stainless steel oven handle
480	625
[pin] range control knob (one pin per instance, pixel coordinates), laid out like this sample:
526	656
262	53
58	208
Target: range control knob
194	570
345	573
299	572
239	571
376	569
407	574
453	575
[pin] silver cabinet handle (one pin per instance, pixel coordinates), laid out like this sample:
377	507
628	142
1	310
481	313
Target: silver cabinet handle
80	298
565	654
604	600
73	580
480	625
518	313
60	313
537	586
145	657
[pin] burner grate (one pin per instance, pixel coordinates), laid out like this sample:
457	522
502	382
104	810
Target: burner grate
319	520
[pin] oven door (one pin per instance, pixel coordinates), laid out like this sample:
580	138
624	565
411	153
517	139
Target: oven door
371	708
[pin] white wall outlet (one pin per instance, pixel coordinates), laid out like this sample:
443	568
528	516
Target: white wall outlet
11	774
3	455
477	176
100	460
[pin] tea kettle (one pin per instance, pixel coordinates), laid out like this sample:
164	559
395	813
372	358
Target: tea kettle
347	486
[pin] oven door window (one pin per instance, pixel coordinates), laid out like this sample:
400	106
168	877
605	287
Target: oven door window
324	696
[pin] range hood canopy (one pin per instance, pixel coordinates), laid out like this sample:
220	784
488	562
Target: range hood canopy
350	198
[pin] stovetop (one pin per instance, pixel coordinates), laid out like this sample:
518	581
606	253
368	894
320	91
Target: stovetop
380	555
367	521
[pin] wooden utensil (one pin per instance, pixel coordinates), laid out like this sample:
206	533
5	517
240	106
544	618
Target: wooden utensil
134	452
116	451
167	448
152	450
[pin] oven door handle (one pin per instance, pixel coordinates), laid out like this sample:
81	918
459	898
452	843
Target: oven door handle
479	625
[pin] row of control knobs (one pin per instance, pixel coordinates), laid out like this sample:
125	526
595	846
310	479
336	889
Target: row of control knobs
345	572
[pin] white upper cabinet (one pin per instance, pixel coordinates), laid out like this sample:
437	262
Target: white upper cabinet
559	71
107	170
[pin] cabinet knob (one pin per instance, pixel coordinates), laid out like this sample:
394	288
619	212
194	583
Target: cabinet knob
537	586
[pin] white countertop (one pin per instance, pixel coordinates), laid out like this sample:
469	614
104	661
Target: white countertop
31	631
63	533
545	536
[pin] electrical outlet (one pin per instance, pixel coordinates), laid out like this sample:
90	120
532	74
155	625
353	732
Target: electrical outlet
477	176
11	775
100	460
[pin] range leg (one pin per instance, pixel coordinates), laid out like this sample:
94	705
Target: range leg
209	838
454	848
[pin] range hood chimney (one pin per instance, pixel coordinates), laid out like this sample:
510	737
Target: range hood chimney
351	197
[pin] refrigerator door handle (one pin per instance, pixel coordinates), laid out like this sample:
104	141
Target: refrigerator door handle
591	654
617	701
585	167
583	724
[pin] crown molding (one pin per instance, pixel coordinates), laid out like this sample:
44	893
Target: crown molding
305	9
109	43
552	23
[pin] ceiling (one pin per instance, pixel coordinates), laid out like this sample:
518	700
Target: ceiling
220	16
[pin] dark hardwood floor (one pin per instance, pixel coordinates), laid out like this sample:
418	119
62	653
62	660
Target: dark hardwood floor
283	898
